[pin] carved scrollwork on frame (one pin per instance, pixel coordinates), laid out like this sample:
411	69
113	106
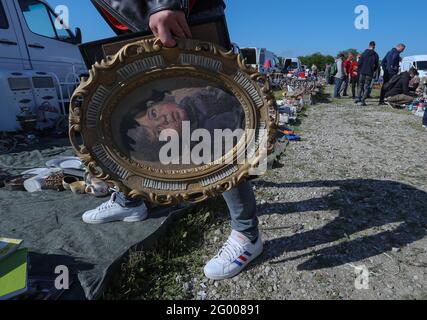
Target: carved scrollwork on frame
129	100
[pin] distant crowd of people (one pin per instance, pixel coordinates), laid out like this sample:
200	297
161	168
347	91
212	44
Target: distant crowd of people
362	72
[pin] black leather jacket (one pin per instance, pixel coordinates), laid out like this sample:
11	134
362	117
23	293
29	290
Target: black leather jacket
135	14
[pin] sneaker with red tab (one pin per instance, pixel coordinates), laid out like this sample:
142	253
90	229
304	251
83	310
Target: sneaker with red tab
234	256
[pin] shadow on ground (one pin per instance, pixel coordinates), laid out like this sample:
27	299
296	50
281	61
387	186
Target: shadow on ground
361	205
322	97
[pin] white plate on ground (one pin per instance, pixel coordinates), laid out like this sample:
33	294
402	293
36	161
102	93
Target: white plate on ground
41	171
35	171
65	163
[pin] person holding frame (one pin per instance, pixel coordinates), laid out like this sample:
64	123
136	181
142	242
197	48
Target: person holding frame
166	19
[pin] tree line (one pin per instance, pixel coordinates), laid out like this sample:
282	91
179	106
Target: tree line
321	60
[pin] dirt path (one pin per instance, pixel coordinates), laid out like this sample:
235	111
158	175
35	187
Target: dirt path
346	215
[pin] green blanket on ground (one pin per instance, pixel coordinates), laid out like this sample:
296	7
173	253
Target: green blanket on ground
51	226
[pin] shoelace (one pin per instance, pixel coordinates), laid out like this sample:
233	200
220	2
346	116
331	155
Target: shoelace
109	204
230	251
106	205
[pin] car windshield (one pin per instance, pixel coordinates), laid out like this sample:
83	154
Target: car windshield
422	65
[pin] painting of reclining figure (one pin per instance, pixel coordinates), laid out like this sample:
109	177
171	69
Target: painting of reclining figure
178	107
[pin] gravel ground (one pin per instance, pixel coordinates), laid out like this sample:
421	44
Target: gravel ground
343	217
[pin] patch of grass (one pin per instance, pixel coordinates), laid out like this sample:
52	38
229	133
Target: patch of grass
159	273
341	102
322	97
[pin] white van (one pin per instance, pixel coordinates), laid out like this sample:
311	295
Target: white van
31	46
257	57
292	64
30	41
419	62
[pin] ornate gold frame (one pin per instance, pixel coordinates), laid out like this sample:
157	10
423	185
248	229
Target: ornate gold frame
144	61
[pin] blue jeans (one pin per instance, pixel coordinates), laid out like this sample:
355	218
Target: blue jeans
344	86
364	84
338	85
240	201
242	205
425	117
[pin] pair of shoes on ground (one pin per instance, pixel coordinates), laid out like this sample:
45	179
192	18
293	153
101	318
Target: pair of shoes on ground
360	103
234	256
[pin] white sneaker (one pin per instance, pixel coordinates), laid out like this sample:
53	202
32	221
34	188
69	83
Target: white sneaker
236	254
112	211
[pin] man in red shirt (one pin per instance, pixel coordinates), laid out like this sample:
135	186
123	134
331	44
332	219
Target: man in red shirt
354	79
350	66
168	18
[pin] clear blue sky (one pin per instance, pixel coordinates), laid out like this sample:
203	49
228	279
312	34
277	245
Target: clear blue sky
293	28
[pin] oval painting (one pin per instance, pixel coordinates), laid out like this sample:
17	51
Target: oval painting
178	123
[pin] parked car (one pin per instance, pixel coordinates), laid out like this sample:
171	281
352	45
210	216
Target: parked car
292	65
419	62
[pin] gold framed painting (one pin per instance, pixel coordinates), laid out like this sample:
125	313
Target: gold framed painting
173	125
